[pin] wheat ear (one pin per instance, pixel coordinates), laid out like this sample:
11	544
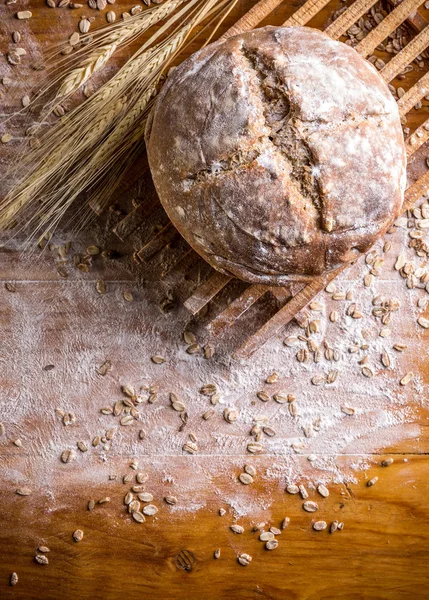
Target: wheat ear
101	55
145	72
93	139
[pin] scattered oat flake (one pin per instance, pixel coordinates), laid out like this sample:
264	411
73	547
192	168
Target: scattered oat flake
244	559
387	462
271	544
245	478
407	378
138	516
348	410
189	337
292	489
372	481
157	359
24	14
13	578
145	497
216	553
150	510
78	535
41	559
333	527
67	456
423	322
319	525
104	368
273	378
209	351
255	448
285	522
250	470
310	506
170	500
266	536
236	528
5	138
303	492
193	349
323	490
367	371
23	491
100	286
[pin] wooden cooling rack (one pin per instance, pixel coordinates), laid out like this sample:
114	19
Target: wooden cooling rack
295	296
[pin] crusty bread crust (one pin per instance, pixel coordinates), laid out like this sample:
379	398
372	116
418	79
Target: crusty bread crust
277	153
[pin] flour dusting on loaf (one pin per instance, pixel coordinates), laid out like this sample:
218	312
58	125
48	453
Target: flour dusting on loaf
277	154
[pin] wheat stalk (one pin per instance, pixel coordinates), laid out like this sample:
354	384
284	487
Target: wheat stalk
146	69
85	149
120	35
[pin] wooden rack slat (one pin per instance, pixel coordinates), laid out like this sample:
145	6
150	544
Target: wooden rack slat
157	243
413	95
415	19
416	191
417	139
285	314
133	220
185	263
349	17
387	26
252	18
206	292
305	13
406	56
236	309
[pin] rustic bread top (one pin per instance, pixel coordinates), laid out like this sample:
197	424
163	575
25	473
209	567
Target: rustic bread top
277	153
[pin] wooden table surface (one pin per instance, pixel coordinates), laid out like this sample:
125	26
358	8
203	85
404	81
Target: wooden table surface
56	332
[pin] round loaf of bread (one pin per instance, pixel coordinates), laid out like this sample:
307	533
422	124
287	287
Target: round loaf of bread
278	154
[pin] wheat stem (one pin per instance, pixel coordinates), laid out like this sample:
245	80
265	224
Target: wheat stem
101	55
87	147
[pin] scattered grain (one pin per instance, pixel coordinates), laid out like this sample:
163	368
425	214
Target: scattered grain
245	478
310	506
150	510
158	359
68	456
244	559
78	535
407	378
238	529
323	490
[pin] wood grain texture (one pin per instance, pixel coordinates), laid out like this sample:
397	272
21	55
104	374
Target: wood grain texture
381	554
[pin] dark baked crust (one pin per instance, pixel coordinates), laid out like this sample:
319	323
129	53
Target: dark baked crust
277	153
